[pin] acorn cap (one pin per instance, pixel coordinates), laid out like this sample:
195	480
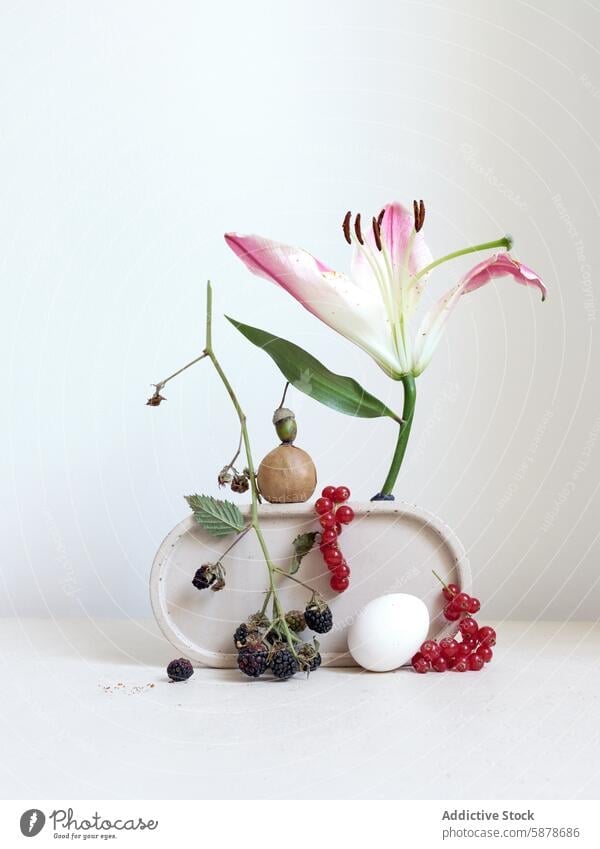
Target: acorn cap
282	413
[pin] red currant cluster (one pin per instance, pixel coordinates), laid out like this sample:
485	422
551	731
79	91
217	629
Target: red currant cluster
475	646
333	515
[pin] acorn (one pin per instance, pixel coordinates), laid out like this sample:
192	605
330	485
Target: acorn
287	475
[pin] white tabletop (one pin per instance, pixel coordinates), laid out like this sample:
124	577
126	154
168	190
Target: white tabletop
87	712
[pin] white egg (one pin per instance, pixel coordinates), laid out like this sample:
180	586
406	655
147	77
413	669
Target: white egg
388	631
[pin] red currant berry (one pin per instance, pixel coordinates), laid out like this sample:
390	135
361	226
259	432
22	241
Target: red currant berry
333	557
342	571
468	627
430	650
325	547
475	662
338	528
419	663
470	642
342	493
463	651
487	636
448	647
328	537
460	665
474	605
485	653
440	664
344	514
327	520
461	601
451	613
323	505
328	492
450	591
339	584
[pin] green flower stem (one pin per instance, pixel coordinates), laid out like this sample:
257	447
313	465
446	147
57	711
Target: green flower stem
410	397
504	242
254	520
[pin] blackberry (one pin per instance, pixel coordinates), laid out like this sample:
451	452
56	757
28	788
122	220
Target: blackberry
240	635
204	577
284	664
295	620
318	617
180	669
253	661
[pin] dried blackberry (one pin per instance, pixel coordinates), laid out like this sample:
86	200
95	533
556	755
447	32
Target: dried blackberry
284	664
318	617
204	577
180	669
253	660
295	620
309	657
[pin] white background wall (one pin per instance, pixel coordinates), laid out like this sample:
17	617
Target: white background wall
134	134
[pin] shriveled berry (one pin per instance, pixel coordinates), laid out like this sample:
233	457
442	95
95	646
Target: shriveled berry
486	635
430	650
323	505
204	577
449	592
468	627
448	647
485	653
440	664
253	661
328	492
180	669
333	557
310	658
318	618
295	620
284	664
342	493
339	585
451	612
475	662
473	606
344	514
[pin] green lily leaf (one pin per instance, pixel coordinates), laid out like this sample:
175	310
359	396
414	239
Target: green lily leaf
310	376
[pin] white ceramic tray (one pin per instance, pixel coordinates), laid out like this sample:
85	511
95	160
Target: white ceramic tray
390	547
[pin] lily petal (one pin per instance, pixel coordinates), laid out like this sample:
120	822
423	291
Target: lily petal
354	312
396	229
433	324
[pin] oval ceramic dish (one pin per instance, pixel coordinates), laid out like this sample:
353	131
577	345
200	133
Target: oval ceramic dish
390	547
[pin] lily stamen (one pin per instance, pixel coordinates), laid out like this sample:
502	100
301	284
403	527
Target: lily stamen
377	234
419	214
346	227
357	229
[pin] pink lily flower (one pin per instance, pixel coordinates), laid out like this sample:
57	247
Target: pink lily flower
375	305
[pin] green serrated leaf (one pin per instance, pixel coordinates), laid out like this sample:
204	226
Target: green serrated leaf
218	518
302	545
310	376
